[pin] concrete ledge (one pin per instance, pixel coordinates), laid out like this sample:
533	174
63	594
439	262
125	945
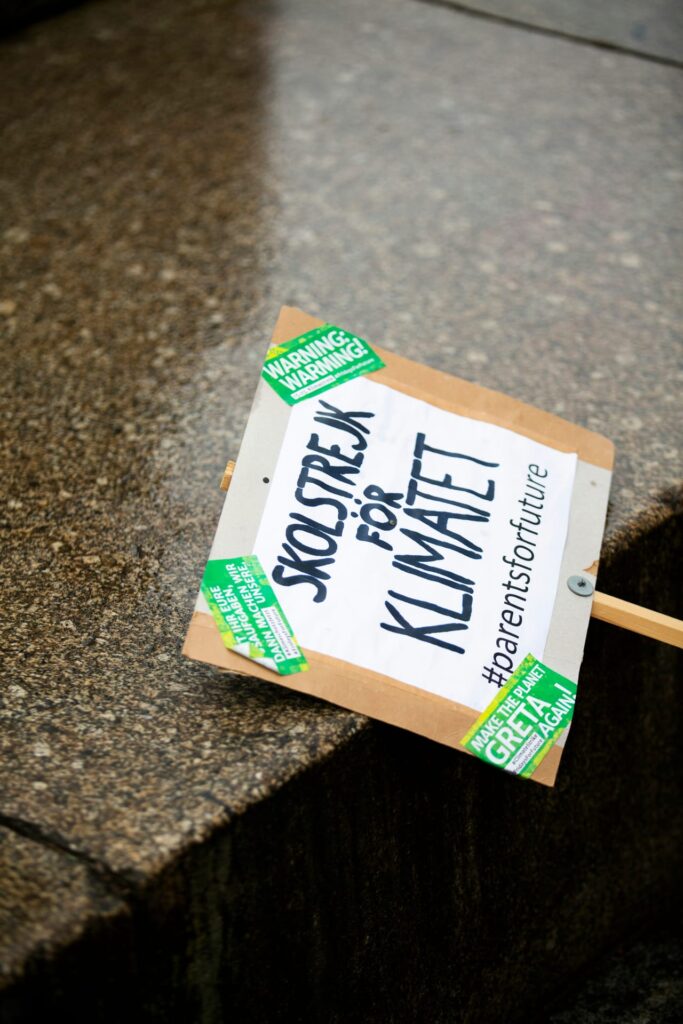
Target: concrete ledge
395	881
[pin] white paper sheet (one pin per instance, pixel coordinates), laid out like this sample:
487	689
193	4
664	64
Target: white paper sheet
381	608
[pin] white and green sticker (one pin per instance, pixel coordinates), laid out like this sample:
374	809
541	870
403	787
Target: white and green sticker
519	727
248	615
317	361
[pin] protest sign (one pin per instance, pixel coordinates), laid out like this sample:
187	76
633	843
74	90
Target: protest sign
414	534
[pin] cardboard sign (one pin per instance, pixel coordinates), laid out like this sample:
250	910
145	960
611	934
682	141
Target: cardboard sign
417	532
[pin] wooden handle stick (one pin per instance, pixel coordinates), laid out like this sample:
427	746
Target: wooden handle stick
639	620
227	475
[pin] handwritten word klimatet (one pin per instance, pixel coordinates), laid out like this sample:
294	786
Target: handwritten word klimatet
415	542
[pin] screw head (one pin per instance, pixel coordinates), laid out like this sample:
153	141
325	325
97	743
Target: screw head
580	585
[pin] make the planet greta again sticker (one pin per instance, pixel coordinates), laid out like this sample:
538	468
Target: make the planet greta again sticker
519	727
248	615
317	361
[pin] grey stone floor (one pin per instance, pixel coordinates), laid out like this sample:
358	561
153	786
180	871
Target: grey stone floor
647	28
503	205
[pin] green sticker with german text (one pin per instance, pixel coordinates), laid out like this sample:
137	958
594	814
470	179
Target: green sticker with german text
519	727
248	614
317	361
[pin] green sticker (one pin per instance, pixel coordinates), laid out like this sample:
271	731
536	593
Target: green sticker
317	361
519	727
248	615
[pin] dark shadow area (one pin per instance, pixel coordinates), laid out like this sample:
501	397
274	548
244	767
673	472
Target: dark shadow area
15	14
640	981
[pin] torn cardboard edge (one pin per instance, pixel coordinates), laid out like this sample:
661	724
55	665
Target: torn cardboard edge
358	689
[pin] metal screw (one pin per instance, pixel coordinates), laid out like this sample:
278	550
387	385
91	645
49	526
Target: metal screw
580	585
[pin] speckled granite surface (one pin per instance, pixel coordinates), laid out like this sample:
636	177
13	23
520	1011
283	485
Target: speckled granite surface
169	174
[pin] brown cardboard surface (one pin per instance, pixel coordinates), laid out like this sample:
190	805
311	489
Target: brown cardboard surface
369	692
357	689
